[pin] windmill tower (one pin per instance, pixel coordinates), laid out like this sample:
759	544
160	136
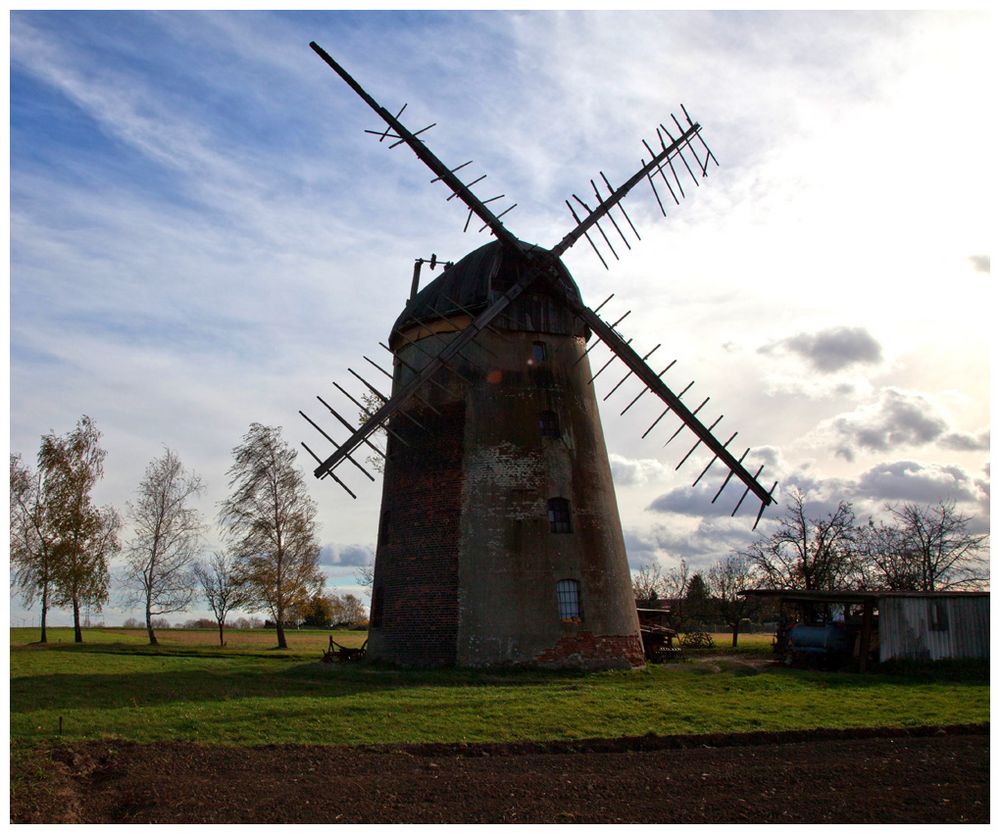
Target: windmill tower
499	536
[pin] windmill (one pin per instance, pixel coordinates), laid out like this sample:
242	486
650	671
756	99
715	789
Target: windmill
499	536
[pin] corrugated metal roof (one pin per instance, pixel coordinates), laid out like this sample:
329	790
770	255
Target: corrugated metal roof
855	596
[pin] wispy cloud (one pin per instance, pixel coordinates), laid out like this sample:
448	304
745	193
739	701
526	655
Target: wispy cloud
201	234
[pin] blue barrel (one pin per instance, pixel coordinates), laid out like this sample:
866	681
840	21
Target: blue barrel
829	639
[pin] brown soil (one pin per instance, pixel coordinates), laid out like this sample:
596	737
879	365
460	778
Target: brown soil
926	775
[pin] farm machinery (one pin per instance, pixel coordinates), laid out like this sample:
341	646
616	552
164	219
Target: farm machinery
336	653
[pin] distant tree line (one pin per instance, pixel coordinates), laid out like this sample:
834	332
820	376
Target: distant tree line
62	544
911	548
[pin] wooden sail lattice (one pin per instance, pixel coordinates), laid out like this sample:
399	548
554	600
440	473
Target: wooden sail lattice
676	158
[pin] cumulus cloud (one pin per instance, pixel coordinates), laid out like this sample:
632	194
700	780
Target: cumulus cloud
967	442
831	350
697	501
348	555
898	418
701	544
642	549
892	481
906	480
685	500
701	533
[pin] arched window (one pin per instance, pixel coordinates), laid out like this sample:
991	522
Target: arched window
568	598
548	424
559	520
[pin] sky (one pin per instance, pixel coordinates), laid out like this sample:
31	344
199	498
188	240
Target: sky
202	236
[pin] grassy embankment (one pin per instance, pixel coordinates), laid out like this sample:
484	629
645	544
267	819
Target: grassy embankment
115	686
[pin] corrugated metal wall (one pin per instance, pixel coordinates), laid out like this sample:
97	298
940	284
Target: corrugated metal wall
905	627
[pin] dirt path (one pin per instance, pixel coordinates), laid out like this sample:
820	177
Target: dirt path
928	775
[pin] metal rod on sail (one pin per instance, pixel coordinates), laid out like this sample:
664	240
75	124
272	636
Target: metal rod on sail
620	192
336	445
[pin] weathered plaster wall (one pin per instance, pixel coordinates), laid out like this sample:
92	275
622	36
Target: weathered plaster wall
509	560
467	566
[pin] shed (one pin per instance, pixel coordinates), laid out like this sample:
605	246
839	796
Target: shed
934	626
912	625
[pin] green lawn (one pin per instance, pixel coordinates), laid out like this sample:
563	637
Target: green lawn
114	686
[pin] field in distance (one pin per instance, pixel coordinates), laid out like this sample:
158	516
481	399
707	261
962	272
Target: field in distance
300	641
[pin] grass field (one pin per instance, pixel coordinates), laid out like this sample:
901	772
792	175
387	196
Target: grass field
115	686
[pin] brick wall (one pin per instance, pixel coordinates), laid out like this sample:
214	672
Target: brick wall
583	649
417	561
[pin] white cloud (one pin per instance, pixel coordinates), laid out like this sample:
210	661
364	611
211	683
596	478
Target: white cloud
202	236
350	555
632	472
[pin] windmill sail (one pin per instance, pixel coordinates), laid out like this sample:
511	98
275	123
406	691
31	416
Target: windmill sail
544	267
442	171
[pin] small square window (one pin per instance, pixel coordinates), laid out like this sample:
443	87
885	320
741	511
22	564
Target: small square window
559	519
548	424
938	615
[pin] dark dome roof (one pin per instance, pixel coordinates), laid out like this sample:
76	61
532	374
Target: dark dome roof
470	285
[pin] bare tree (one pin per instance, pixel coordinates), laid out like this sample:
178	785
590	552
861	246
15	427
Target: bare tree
271	522
727	579
365	576
648	583
223	587
942	553
167	536
885	560
86	537
675	583
807	553
675	586
32	537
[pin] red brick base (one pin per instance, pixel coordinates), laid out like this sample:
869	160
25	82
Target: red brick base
585	651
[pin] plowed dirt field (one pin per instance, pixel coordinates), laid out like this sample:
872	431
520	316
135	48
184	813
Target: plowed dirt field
916	776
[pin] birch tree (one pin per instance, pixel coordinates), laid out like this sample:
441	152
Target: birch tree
85	537
223	588
166	538
32	538
270	521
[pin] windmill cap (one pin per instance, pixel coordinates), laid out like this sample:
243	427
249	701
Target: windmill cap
472	284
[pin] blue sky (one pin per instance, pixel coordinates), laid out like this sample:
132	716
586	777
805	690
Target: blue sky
202	235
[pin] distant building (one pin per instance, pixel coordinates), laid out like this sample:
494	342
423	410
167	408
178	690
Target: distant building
894	625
